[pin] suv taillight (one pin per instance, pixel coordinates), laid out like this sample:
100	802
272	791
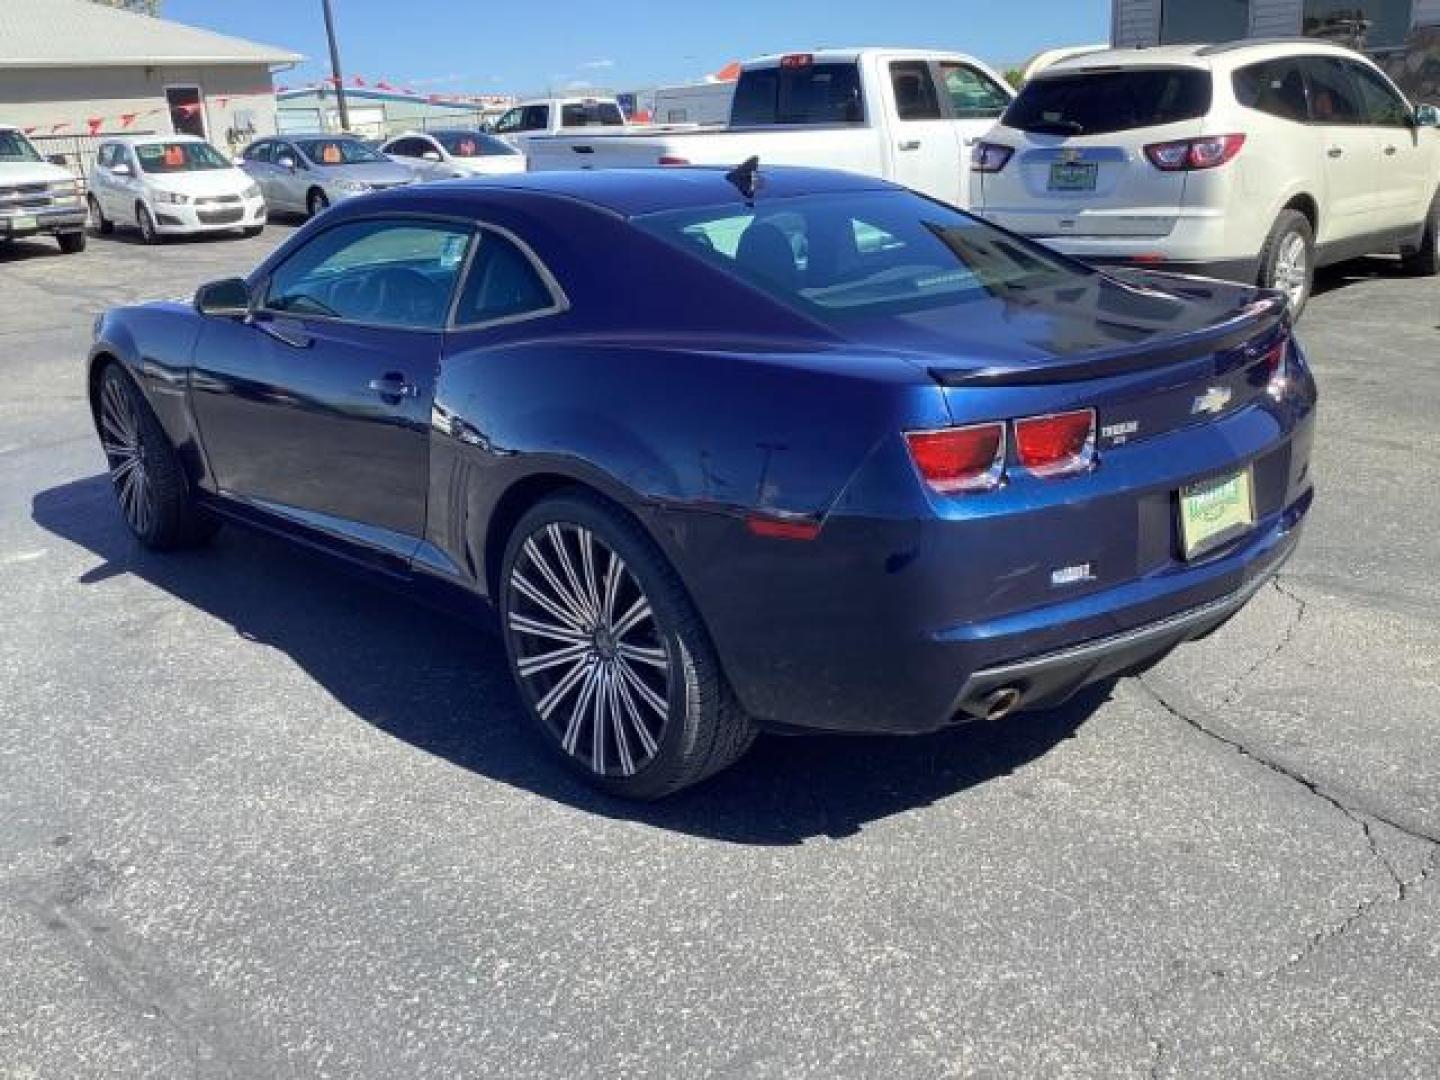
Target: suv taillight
1189	155
988	157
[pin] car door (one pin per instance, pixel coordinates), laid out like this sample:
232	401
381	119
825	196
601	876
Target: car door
289	178
102	186
1403	183
925	148
259	167
1351	149
317	407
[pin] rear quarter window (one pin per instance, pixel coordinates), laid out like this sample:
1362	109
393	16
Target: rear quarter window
805	94
1102	102
1276	87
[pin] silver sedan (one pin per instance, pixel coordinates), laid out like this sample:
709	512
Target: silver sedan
308	173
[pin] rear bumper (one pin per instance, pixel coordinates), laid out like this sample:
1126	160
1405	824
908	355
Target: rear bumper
48	220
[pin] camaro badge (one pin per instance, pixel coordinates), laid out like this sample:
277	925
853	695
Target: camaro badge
1212	401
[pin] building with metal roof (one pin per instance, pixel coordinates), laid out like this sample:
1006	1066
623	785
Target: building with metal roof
377	112
71	71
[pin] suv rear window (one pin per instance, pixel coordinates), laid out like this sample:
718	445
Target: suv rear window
1100	102
803	94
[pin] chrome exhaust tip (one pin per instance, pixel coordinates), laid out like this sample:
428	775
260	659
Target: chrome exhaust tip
1001	703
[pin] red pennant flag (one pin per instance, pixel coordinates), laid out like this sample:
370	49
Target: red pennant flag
93	123
57	127
126	119
357	80
30	131
332	80
383	85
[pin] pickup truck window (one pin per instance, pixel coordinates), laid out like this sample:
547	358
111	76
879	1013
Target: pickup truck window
15	147
915	96
591	114
880	253
973	94
804	94
1102	102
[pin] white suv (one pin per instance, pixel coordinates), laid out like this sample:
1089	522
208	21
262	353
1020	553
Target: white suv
1253	161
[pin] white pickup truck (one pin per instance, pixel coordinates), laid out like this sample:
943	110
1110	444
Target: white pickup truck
529	120
36	196
901	114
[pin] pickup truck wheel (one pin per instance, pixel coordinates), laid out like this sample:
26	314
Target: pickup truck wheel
1287	261
71	243
98	219
610	657
252	231
1424	261
148	233
149	480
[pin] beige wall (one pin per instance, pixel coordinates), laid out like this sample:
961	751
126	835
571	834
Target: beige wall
42	97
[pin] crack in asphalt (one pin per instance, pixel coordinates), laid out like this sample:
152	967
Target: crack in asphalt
1363	819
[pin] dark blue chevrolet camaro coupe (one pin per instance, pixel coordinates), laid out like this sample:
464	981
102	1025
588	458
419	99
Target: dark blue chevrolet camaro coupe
767	449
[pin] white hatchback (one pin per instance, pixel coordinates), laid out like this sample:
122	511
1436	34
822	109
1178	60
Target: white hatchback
451	154
1252	161
167	186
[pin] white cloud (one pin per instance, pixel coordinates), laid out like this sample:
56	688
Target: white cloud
595	65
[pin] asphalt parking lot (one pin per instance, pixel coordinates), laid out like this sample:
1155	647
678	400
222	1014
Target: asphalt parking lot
259	818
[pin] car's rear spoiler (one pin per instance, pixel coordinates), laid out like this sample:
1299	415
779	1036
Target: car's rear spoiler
1256	320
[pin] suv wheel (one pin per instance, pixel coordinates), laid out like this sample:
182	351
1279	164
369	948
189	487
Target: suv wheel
610	656
1287	261
71	243
1424	261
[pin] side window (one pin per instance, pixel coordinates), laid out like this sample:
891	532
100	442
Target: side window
390	273
106	157
915	96
973	94
537	118
510	121
411	148
1380	104
259	151
1276	87
503	284
1334	98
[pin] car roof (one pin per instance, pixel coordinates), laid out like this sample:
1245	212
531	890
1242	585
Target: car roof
147	140
633	192
1203	56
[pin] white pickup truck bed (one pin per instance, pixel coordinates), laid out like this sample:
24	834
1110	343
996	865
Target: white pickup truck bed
903	115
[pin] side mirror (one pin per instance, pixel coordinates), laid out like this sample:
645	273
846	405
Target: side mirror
287	162
431	155
228	299
122	169
1427	116
57	159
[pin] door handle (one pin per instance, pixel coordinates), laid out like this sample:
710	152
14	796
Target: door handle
1336	152
1390	151
394	385
910	144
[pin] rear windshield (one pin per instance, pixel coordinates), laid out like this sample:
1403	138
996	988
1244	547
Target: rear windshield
591	114
468	144
803	94
178	157
15	147
876	253
1100	102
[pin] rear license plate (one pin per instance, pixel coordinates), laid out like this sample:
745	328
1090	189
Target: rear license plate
1214	512
1073	177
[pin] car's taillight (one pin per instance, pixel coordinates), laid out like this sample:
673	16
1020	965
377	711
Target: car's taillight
960	459
1188	155
988	157
1060	444
671	159
1276	370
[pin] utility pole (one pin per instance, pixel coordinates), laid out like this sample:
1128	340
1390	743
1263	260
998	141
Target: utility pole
335	67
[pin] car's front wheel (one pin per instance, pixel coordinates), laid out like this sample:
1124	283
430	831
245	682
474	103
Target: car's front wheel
1424	261
609	654
148	232
149	480
1287	261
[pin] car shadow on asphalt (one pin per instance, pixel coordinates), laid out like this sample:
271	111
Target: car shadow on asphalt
442	685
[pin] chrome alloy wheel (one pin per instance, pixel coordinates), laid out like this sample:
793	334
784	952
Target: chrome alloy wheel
1292	269
589	653
124	446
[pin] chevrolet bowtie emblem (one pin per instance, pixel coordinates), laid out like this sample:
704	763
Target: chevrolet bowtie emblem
1212	401
1069	157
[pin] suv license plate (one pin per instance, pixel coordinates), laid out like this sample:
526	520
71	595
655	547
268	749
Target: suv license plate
1073	177
1214	512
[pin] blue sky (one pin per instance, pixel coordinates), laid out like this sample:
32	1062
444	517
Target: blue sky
452	46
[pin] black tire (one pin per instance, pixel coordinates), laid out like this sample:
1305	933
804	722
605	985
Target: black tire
149	480
316	203
252	231
102	224
71	243
1424	261
1291	228
615	656
148	233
